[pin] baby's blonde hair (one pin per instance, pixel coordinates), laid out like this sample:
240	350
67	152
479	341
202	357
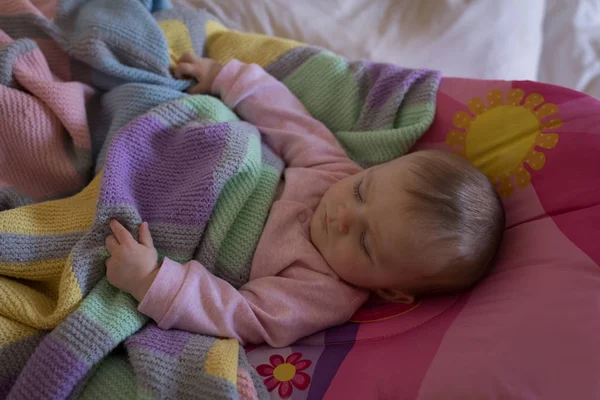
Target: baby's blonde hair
461	216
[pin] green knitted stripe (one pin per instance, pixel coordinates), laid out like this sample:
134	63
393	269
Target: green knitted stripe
376	147
327	88
114	310
242	238
113	379
418	116
235	193
209	109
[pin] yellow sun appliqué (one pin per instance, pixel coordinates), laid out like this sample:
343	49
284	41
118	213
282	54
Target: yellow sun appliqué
501	138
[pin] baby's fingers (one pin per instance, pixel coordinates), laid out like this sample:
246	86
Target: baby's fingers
112	272
187	57
111	244
183	70
122	234
145	236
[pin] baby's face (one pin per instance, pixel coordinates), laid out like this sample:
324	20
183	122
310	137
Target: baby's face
362	230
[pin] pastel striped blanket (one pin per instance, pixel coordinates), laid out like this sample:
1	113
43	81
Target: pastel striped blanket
93	126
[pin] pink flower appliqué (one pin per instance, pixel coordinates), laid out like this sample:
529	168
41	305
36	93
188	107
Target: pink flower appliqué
285	373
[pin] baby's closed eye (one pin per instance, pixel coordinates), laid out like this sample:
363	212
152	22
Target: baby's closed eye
363	245
357	193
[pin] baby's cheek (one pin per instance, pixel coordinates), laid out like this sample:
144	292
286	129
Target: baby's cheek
345	254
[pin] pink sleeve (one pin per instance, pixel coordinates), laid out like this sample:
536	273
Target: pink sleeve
262	100
277	310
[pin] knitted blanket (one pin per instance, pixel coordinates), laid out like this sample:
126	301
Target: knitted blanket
93	127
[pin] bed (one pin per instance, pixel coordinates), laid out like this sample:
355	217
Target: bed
551	41
505	339
529	330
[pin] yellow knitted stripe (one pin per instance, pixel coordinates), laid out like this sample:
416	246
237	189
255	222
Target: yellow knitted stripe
40	304
178	38
223	45
72	214
222	360
13	331
35	271
213	27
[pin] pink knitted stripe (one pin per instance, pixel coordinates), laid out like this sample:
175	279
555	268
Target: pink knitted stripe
245	385
4	38
57	59
46	8
32	145
66	99
32	154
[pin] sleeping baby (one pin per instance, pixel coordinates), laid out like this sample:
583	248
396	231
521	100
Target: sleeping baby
428	223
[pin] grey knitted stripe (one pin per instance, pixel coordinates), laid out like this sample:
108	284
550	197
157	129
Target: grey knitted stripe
18	248
286	64
8	55
13	358
11	198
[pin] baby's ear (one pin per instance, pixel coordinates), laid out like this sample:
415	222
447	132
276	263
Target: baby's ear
395	295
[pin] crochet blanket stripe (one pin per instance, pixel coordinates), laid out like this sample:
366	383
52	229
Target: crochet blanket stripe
93	126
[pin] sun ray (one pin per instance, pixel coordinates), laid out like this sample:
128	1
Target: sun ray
514	97
546	110
535	159
547	140
522	176
456	138
505	186
533	100
495	98
552	124
462	119
476	106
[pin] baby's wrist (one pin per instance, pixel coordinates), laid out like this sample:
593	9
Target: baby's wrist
144	285
213	71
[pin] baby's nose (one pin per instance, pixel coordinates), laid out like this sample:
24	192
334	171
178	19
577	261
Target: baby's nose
345	219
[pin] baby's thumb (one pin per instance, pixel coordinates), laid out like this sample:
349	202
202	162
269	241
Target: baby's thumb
187	57
183	70
144	236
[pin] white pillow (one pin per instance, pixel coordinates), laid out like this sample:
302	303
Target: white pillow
570	55
474	39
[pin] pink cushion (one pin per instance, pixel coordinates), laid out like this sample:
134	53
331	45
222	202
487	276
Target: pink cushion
532	328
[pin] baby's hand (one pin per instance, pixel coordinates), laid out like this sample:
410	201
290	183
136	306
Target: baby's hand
204	70
132	266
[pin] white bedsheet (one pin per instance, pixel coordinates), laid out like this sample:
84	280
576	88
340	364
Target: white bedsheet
571	51
478	39
555	41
